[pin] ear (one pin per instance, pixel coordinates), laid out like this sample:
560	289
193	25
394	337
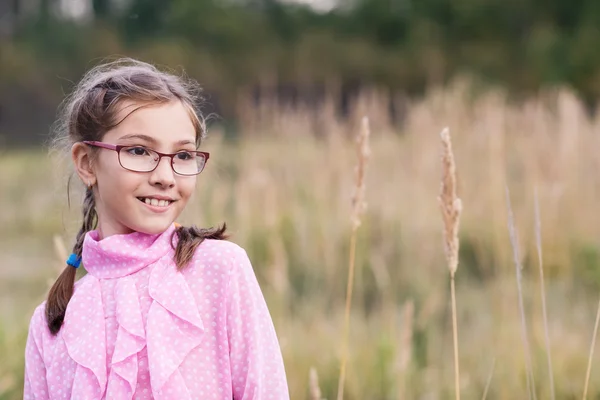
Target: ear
82	159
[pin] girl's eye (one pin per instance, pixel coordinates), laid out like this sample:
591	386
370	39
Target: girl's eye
138	151
184	155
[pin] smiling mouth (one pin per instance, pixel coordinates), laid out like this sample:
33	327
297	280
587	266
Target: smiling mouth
155	202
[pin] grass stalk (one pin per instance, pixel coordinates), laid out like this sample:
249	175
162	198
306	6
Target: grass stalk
455	340
591	355
451	208
313	383
60	250
514	240
489	380
538	242
358	208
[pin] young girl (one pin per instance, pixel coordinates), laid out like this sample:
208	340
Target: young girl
165	311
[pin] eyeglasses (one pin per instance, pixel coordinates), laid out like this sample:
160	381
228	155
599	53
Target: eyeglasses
143	159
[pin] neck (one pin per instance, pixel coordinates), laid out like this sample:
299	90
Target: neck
107	228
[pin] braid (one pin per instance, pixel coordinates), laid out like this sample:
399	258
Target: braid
189	240
62	290
90	220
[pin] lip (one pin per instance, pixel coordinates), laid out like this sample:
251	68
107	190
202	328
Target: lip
157	209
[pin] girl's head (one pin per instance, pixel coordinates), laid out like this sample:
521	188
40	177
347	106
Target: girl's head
133	132
132	104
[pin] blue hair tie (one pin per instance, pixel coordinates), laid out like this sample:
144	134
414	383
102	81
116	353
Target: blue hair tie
74	261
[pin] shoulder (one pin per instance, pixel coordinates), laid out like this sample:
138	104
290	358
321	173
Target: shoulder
235	265
220	251
37	324
39	314
218	257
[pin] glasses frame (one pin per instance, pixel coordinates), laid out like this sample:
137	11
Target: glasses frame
117	148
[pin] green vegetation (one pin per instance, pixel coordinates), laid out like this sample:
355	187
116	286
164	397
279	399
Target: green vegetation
265	49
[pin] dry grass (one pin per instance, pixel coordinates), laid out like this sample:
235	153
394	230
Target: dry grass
284	193
538	246
313	385
451	207
589	366
489	381
514	241
359	206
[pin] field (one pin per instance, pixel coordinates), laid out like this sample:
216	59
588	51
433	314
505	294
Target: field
284	187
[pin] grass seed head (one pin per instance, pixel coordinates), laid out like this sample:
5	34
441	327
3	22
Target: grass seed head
450	204
359	204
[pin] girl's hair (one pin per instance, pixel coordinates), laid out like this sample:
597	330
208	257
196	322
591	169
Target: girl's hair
87	114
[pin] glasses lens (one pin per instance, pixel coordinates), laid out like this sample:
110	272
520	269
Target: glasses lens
188	163
137	158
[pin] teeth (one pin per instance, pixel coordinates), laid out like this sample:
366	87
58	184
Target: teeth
156	202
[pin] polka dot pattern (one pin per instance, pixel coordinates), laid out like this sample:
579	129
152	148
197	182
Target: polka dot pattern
136	328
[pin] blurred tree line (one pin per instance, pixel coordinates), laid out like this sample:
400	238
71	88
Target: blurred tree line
266	47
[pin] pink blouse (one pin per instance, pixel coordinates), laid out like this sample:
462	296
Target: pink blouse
136	328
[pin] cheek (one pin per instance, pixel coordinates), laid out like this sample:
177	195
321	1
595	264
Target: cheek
187	187
107	166
115	182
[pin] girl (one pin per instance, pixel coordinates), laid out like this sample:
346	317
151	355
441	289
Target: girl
164	311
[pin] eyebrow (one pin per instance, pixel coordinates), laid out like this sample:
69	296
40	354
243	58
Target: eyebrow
152	140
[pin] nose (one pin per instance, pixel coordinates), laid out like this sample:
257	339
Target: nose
163	175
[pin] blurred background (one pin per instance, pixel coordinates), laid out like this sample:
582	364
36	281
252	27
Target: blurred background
286	84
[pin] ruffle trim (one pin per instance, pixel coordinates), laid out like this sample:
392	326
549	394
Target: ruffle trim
173	329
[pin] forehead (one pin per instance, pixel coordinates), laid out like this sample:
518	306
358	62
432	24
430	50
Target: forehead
166	123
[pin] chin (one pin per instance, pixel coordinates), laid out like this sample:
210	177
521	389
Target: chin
153	228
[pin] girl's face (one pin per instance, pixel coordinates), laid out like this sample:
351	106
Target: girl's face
121	194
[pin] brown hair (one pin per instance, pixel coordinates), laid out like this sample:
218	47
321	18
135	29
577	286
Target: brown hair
91	111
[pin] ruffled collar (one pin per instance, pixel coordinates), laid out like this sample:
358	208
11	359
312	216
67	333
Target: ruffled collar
120	255
173	325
